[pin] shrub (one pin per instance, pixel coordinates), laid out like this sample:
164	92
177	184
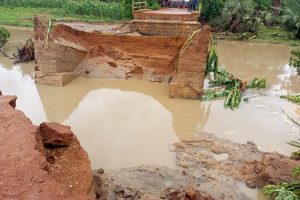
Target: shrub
240	16
291	16
153	4
211	9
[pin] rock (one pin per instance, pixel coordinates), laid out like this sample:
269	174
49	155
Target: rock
68	163
11	100
99	192
98	180
100	171
186	194
55	134
119	189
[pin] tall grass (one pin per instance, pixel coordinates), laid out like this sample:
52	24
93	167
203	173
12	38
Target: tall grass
114	9
34	3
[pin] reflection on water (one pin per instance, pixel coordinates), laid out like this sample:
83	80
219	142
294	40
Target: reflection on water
123	123
14	81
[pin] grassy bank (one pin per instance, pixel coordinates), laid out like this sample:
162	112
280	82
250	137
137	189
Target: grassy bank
21	12
114	9
20	16
275	35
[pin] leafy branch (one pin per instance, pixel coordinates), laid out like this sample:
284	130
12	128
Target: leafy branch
231	87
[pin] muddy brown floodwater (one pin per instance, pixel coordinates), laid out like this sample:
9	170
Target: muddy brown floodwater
128	123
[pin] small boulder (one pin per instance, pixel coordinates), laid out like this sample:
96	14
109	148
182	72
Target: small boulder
55	134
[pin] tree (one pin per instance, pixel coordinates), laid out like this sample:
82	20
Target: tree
211	9
291	16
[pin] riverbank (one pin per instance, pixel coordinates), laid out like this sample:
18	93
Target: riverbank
275	35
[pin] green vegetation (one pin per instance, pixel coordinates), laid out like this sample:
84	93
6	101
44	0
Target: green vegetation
275	21
292	97
282	191
103	10
24	16
4	36
153	4
286	191
231	87
295	59
210	9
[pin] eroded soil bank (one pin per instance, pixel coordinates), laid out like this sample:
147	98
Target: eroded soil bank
61	172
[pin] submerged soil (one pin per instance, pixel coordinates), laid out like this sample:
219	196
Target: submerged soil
130	123
200	171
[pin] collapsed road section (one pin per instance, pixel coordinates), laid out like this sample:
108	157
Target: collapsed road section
65	51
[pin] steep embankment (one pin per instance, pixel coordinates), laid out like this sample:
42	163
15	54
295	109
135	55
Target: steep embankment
61	171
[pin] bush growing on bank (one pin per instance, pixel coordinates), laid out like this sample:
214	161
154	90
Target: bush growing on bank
241	16
114	9
4	36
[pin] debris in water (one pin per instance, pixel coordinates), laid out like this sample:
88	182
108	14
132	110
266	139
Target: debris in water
292	97
295	59
26	53
4	36
232	87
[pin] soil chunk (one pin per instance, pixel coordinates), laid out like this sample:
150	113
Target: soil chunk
55	134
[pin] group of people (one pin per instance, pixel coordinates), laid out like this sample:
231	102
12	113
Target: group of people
191	5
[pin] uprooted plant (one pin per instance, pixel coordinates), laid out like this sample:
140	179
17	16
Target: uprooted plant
295	98
295	59
286	191
226	84
25	53
4	36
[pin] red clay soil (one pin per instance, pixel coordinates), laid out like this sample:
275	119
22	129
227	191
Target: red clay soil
152	52
23	172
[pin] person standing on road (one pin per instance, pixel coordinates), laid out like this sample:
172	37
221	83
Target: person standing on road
190	6
195	5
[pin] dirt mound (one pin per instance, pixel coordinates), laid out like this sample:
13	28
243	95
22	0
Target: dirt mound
23	174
